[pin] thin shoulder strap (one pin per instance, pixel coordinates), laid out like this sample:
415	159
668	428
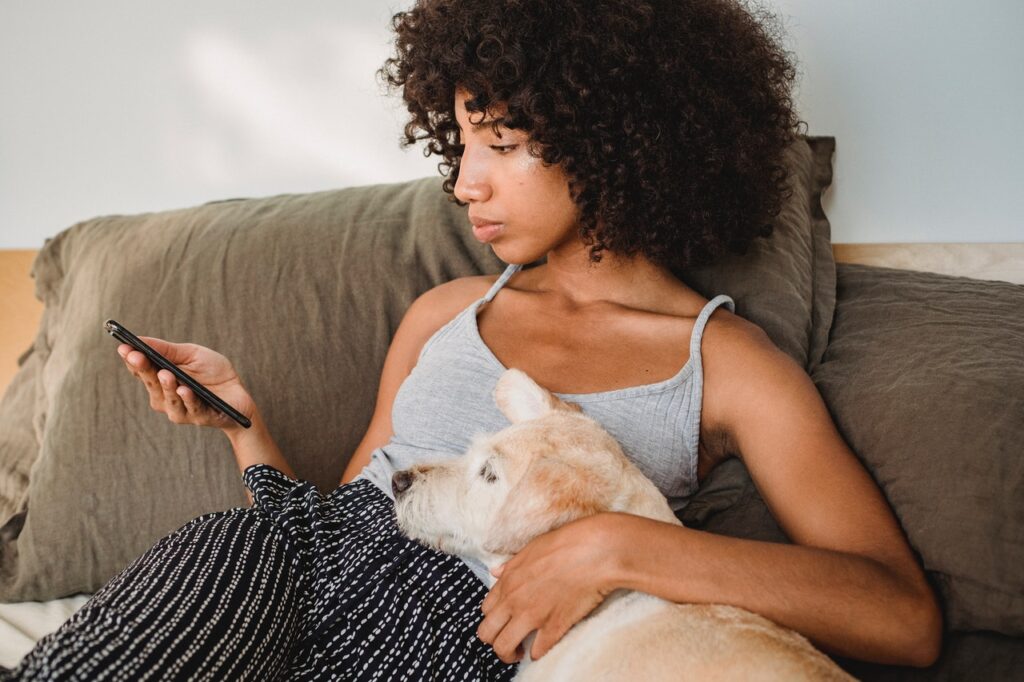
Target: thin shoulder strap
702	321
500	282
697	385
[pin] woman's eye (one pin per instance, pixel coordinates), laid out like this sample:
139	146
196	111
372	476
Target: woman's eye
504	149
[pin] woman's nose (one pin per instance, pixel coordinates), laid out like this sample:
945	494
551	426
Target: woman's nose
473	183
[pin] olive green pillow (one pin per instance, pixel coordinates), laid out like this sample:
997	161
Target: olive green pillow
303	293
925	377
787	283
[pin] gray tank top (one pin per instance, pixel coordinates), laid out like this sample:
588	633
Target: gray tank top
446	399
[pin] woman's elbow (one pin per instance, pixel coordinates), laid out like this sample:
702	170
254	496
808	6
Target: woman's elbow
925	628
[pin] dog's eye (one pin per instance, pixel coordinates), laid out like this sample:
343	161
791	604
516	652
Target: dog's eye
487	474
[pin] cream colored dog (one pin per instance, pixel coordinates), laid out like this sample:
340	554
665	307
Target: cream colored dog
551	466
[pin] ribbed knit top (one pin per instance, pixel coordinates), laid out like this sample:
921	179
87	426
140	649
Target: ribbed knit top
447	398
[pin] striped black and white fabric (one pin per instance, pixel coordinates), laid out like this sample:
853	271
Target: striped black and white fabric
300	586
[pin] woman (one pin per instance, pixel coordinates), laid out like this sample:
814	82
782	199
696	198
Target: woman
625	141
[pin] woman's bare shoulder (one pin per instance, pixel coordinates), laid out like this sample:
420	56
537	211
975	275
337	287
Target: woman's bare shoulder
728	343
447	299
731	342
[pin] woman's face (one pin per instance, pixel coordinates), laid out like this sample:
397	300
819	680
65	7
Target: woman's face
502	183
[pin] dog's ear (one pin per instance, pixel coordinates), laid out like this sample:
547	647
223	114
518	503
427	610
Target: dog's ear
520	398
550	494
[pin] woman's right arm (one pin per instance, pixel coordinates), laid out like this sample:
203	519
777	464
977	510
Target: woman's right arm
251	446
428	313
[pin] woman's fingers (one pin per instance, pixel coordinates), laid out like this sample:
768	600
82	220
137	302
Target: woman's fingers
166	395
198	411
141	367
193	405
135	360
177	353
173	405
161	385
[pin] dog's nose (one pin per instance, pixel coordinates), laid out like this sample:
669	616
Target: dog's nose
400	481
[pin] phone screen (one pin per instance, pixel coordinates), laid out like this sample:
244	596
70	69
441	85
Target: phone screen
120	333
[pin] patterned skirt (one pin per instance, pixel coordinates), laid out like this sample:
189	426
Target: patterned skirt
300	586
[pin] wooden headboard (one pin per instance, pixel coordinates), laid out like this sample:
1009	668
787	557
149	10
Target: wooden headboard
20	311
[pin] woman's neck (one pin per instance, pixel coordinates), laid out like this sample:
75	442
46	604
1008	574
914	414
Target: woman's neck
570	279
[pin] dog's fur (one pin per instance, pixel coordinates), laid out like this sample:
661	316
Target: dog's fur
551	466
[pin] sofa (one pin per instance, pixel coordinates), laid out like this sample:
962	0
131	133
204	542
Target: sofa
922	372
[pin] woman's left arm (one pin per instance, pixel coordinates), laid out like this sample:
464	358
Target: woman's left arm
850	583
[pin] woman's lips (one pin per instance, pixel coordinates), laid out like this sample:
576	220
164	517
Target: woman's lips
485	233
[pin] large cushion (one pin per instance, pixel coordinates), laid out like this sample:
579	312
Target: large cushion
924	377
790	277
303	294
965	656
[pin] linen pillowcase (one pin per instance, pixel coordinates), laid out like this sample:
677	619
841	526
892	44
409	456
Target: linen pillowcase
20	430
964	656
303	294
791	276
924	377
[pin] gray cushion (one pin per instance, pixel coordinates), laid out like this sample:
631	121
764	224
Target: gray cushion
925	375
965	656
303	294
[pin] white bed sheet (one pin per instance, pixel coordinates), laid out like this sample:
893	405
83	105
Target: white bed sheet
22	624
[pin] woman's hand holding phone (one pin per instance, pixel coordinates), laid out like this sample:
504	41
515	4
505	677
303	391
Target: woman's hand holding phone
179	402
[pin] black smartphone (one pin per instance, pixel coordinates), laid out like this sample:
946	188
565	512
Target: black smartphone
124	336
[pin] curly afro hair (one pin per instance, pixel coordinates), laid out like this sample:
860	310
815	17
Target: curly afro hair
670	118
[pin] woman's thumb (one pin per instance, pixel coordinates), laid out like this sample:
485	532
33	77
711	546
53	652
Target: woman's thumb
171	351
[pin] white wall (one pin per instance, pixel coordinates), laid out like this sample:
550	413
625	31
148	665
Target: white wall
925	99
118	106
